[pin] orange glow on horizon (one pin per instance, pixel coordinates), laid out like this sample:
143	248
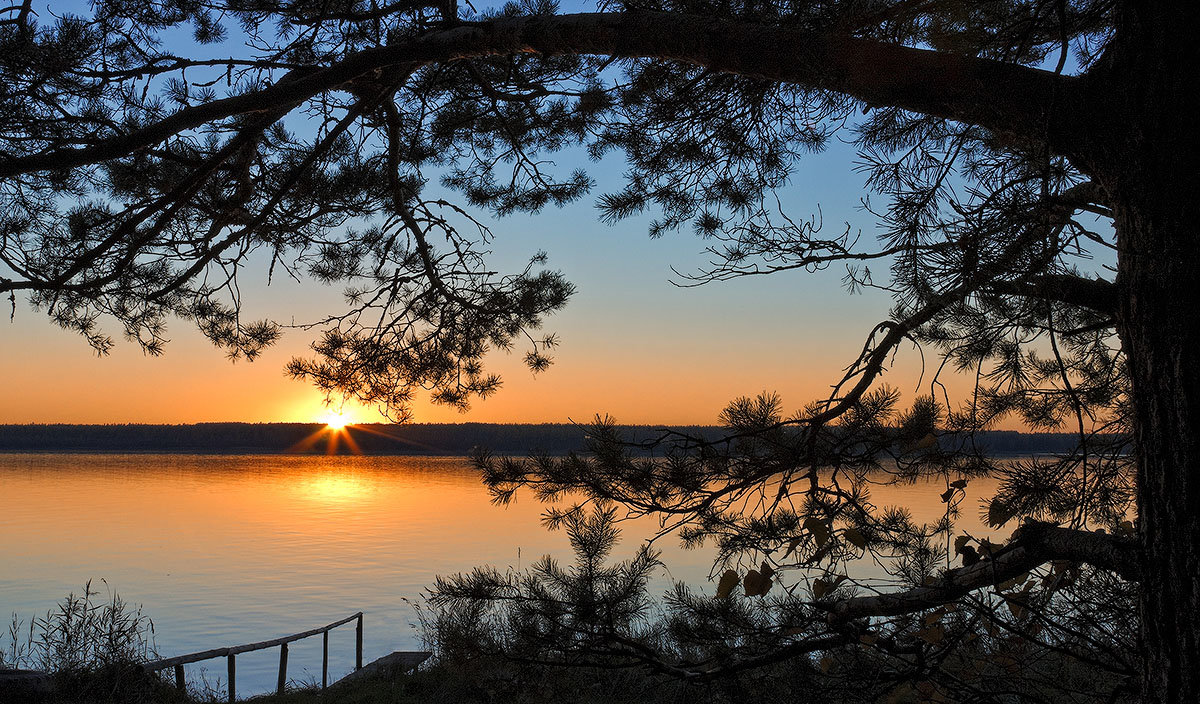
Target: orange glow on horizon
336	421
336	431
654	382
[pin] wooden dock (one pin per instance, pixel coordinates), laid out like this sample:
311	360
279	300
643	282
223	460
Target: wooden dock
395	663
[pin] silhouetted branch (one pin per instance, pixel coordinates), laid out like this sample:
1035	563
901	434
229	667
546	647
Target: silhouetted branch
1034	546
1029	104
1094	294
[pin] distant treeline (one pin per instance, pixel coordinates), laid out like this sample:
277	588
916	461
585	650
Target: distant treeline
381	439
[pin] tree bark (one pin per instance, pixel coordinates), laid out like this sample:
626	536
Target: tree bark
1152	175
1160	336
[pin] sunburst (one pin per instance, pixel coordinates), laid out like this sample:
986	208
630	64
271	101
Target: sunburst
336	421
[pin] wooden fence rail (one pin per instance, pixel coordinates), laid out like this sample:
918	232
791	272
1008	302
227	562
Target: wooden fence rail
231	653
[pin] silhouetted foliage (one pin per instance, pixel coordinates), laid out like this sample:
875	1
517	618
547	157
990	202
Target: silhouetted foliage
92	649
1066	631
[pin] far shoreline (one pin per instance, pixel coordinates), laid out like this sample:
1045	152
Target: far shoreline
379	439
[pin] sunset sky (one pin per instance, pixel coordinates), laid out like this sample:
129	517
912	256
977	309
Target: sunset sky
632	345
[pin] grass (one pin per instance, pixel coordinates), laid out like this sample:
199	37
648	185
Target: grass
497	682
91	644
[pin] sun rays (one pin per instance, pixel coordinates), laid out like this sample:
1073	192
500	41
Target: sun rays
334	434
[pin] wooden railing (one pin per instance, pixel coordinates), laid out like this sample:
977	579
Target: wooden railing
231	654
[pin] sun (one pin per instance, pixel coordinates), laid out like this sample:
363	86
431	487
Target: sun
336	421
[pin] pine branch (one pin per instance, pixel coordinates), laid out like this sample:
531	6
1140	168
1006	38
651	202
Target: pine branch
1018	102
1035	545
1094	294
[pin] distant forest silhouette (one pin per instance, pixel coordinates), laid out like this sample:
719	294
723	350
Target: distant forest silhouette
385	439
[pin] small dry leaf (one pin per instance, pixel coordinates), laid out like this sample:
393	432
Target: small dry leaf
819	530
969	556
947	495
932	634
855	538
821	587
868	639
756	584
826	664
729	580
959	483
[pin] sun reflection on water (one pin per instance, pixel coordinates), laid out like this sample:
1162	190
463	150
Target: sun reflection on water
334	487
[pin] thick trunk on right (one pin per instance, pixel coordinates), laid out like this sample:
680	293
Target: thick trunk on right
1162	339
1150	172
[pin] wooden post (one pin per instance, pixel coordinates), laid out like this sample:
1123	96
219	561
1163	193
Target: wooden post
231	653
232	678
282	668
358	644
324	659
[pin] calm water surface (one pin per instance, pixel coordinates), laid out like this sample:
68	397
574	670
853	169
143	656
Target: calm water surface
223	550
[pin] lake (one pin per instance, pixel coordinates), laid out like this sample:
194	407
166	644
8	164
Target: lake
224	550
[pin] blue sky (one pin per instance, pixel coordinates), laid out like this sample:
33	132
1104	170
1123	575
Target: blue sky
633	345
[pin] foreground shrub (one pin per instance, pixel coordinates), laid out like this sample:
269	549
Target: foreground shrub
591	631
92	644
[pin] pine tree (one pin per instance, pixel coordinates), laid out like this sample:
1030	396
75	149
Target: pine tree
138	179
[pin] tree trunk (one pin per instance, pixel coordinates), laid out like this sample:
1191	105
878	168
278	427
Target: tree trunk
1156	198
1160	335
